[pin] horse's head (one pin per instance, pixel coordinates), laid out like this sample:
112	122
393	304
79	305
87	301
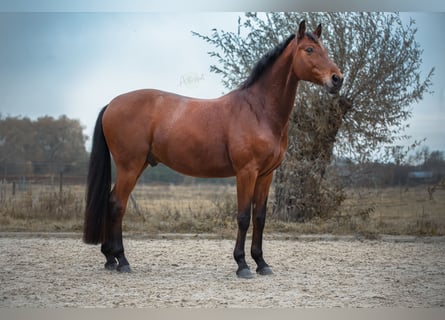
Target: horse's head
312	63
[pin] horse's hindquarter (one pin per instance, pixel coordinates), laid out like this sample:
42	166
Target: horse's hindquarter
127	124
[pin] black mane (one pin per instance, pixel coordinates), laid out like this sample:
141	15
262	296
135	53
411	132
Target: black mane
267	60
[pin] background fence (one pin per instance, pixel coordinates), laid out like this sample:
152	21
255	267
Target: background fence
53	202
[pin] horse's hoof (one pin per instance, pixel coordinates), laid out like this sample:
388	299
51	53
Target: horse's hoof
110	266
124	269
265	271
244	273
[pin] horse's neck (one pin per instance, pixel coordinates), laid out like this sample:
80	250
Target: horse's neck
275	93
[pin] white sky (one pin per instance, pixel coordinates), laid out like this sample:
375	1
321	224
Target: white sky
75	63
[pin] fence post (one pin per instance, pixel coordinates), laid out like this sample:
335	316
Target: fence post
13	188
61	184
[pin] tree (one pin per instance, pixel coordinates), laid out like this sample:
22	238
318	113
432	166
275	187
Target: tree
58	143
14	139
381	61
14	144
51	145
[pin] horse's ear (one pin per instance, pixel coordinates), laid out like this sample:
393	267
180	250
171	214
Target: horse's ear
301	30
317	31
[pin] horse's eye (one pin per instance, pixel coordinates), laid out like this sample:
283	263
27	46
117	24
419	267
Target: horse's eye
309	49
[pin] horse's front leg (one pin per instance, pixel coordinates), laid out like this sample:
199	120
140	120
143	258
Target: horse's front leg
245	185
259	219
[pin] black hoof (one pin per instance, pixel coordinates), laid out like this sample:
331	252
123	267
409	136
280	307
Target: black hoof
244	273
111	266
264	271
124	269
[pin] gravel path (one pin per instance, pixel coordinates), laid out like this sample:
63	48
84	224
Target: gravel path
63	272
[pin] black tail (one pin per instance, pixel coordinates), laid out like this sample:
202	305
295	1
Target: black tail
98	188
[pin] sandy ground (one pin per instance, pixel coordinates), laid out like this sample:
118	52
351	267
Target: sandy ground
54	271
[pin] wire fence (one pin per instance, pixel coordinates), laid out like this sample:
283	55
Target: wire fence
61	197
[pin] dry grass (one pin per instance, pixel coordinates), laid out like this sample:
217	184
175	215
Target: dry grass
397	210
189	209
212	209
41	208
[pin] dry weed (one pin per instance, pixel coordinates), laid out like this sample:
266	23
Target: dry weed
212	209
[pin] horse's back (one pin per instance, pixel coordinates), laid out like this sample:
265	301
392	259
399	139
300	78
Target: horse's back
157	104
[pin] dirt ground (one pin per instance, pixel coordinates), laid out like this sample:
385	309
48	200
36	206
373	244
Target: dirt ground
61	271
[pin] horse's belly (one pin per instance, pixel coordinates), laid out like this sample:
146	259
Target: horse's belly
196	166
194	159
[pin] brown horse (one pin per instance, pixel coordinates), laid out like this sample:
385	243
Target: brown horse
243	133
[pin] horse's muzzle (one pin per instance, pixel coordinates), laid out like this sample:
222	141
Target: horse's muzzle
335	83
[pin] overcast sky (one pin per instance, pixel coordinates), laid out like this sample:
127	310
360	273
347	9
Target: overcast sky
75	63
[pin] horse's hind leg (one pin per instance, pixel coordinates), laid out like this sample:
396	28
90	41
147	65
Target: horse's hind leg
113	248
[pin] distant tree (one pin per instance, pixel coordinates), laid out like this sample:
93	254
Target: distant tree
59	140
15	144
381	61
435	162
50	145
15	141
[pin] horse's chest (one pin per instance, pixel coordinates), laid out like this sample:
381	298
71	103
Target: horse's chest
278	157
272	158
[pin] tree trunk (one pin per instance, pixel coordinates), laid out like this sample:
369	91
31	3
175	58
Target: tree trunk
301	191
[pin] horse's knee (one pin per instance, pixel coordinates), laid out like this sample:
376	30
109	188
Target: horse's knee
260	218
243	220
260	221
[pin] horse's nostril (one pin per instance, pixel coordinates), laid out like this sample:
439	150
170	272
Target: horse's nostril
336	80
